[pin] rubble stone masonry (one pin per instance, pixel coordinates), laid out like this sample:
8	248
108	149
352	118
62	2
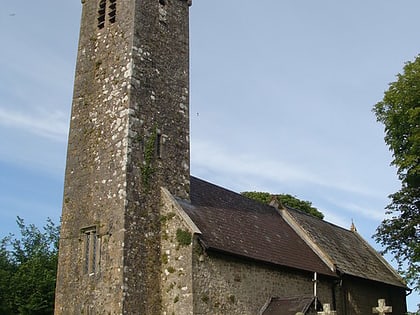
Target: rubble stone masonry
129	135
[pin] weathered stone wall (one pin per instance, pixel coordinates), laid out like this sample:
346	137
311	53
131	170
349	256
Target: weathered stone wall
95	181
130	95
358	296
158	142
225	285
176	252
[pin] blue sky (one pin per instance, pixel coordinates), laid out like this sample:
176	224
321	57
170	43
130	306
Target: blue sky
281	98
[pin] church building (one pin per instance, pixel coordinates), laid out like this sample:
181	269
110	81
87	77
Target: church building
140	235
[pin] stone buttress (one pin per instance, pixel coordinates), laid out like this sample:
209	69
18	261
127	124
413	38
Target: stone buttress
129	136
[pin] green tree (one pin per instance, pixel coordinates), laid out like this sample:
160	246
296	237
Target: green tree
399	111
286	200
28	268
7	269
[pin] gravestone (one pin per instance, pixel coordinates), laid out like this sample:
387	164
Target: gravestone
327	310
382	308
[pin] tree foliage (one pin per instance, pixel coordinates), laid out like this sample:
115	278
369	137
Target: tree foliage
399	111
28	268
286	200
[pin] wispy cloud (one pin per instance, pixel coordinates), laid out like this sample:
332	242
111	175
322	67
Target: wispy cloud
276	169
51	125
359	208
341	195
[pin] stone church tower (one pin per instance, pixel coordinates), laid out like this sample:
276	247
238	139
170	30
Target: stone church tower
129	135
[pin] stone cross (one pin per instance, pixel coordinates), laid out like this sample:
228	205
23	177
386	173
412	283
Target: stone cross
381	309
327	310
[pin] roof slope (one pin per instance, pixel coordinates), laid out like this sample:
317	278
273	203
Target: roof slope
350	253
234	224
288	306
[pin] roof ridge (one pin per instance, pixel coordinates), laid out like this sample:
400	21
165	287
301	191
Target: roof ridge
319	219
257	203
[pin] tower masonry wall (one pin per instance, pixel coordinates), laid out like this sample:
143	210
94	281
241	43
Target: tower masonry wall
158	142
95	181
129	133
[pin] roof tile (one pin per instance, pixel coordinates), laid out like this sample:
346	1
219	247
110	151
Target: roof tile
351	254
234	224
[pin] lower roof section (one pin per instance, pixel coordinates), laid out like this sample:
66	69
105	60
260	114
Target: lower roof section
232	223
289	305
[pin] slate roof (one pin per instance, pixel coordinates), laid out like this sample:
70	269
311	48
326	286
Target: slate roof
233	224
350	253
288	306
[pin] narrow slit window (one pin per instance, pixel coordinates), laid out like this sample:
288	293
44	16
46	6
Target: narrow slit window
112	10
90	252
101	14
86	252
159	145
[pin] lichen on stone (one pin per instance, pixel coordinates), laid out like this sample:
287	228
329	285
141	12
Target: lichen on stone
183	237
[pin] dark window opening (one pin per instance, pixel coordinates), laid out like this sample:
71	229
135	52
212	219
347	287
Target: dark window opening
112	11
104	10
159	145
101	14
